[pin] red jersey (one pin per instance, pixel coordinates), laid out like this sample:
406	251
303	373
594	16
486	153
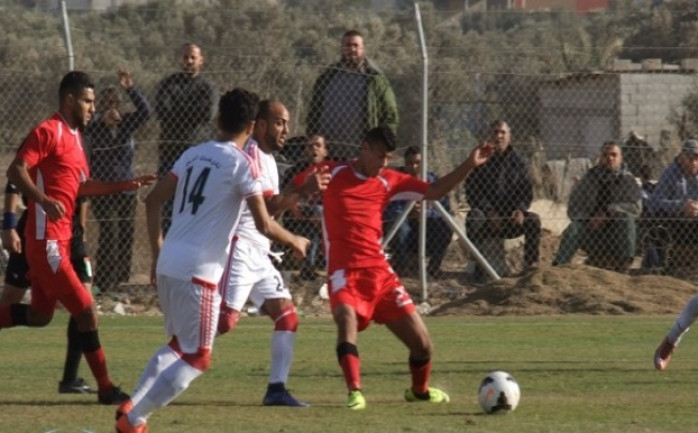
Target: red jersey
353	206
57	166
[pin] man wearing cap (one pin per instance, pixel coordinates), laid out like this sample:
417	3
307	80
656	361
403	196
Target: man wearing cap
675	198
603	210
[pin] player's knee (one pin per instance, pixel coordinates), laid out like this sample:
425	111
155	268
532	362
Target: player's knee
287	320
39	320
201	360
227	320
87	319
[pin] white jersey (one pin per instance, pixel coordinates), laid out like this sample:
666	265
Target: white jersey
213	181
265	165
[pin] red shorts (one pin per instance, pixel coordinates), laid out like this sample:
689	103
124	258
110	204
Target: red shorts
53	277
374	293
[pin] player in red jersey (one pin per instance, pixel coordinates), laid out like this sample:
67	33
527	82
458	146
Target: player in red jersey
363	287
50	169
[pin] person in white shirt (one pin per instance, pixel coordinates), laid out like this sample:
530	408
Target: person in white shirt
250	272
208	184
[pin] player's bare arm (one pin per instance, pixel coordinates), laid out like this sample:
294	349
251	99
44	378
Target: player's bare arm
163	191
271	229
316	181
443	185
18	173
10	237
93	187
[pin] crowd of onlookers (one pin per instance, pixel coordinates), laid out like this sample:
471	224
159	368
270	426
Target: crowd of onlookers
613	219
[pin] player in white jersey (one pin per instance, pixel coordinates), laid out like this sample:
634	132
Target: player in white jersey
209	184
250	272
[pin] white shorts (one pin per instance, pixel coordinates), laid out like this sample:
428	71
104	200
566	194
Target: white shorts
251	274
191	310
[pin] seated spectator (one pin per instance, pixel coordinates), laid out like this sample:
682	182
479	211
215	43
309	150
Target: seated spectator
650	233
604	208
406	240
305	219
647	184
674	202
499	193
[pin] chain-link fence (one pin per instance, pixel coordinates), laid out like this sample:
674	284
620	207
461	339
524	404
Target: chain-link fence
548	192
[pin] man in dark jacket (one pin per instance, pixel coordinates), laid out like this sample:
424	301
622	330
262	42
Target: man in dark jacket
499	194
185	105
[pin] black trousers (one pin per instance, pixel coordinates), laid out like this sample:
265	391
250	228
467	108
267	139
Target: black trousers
478	227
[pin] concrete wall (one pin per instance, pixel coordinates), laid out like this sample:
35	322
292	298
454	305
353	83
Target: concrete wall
647	101
578	113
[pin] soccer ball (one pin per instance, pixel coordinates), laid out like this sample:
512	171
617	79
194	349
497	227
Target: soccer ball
499	393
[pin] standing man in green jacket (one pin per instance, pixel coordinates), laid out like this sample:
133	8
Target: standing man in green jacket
349	98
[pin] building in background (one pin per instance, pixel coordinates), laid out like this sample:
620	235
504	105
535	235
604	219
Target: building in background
580	111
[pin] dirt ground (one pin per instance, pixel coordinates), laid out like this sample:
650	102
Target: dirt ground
569	289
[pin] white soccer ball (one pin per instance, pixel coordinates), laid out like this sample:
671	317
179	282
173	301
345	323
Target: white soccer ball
499	393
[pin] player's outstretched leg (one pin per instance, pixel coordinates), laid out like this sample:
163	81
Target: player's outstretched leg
410	329
663	354
348	358
168	384
666	348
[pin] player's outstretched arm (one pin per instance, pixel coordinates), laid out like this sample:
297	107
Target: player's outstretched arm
443	185
92	187
163	191
271	229
316	181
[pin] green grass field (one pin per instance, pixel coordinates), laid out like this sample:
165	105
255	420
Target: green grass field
577	374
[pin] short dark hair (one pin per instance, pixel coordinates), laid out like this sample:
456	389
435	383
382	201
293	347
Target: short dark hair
74	83
611	143
498	123
265	106
190	44
351	33
382	134
237	108
412	150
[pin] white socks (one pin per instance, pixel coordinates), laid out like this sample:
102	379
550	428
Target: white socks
171	382
281	356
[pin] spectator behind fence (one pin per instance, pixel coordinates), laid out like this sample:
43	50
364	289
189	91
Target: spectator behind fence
405	242
674	202
185	104
499	194
110	137
604	208
349	98
305	218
